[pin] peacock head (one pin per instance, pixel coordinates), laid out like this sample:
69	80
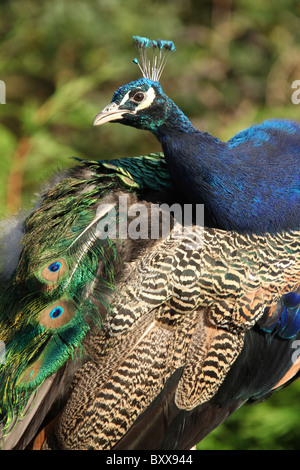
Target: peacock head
142	103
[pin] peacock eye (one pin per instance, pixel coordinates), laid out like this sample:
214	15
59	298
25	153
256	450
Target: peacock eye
139	97
54	267
56	312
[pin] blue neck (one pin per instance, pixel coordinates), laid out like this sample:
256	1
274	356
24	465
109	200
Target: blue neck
188	151
238	181
176	123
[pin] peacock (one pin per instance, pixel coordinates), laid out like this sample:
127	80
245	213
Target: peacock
138	343
250	183
121	341
195	334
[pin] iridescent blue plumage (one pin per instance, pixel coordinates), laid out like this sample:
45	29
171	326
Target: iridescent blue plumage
288	324
251	183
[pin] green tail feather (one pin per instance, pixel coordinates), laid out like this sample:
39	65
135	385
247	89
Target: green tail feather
48	305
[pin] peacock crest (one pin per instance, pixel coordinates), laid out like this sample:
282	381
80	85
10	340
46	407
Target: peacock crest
152	65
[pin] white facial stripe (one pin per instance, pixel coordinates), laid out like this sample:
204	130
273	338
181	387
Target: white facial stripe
126	98
148	100
150	97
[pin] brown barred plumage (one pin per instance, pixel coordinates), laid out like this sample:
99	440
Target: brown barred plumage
182	330
177	309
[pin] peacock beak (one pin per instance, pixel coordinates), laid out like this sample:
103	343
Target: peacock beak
109	113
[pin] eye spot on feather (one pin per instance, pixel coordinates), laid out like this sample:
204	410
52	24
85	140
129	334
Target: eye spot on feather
53	271
30	373
54	267
58	314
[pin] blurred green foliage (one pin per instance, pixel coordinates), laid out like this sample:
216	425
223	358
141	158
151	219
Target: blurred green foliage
62	60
